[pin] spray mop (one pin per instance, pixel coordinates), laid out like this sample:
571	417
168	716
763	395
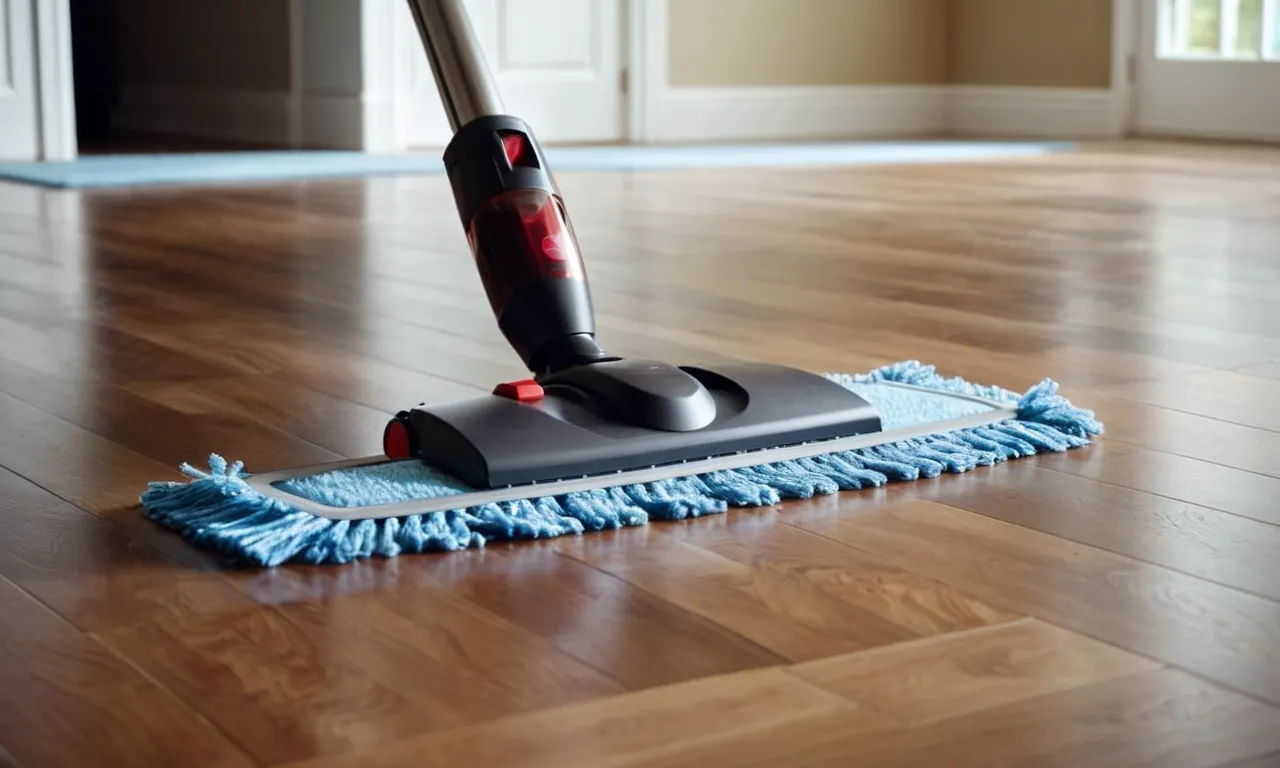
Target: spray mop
591	440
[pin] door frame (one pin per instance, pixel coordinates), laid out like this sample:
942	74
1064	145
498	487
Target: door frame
55	86
645	54
1125	34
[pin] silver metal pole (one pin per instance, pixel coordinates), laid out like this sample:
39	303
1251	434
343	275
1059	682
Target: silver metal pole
457	61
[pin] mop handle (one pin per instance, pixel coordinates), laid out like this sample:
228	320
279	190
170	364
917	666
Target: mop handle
457	61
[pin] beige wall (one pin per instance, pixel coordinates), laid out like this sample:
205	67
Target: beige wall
806	42
1038	43
241	44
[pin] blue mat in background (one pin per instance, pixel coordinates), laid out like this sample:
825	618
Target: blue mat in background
267	166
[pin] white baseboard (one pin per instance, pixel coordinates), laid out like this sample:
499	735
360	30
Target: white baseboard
1200	132
347	121
799	112
324	121
1046	113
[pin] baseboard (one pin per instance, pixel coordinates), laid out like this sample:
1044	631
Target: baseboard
1200	133
1047	113
246	116
331	121
347	121
795	112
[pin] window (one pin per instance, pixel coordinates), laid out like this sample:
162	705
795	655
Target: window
1242	30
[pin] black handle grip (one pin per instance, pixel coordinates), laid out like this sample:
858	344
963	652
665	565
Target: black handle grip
523	242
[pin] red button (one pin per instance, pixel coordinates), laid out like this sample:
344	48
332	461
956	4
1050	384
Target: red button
395	440
525	391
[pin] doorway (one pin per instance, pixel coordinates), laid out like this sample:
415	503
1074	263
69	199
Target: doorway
95	75
179	75
172	76
1208	69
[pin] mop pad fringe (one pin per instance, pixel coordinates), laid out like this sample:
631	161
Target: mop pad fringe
218	510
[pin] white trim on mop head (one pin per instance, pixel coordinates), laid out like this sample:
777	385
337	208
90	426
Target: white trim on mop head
264	483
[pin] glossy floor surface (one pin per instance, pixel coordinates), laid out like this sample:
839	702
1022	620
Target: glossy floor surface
1118	605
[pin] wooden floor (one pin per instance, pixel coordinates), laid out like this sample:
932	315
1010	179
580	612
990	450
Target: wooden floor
1119	605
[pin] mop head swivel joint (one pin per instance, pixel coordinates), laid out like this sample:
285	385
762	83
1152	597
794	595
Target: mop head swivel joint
624	415
930	425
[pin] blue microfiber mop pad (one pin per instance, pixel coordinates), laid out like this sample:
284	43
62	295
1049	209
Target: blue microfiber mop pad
219	511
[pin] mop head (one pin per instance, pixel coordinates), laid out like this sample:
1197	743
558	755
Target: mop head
218	510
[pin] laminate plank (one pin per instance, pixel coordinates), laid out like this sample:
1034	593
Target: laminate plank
65	700
1168	339
1261	761
1233	397
81	353
1005	664
598	732
299	583
1222	634
632	635
941	338
1082	367
335	424
960	673
149	429
907	605
793	593
1184	434
306	363
7	760
666	341
71	462
281	695
359	670
456	661
1270	370
90	571
119	599
978	323
1164	717
391	342
132	306
1082	318
1228	549
283	323
1202	483
51	536
94	474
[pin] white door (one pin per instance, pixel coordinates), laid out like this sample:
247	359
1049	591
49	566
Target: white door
557	63
1208	68
19	121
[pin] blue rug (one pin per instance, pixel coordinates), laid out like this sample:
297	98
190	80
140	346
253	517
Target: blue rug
221	511
271	166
